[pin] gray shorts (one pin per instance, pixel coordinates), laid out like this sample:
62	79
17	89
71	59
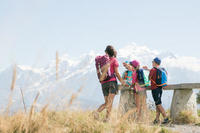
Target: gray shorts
110	87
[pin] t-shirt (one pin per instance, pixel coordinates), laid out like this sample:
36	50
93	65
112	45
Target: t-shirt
137	87
134	78
152	77
113	64
128	76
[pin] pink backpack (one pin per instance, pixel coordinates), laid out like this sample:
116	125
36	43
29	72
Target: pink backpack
100	62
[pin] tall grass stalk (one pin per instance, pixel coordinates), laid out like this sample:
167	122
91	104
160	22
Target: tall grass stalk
12	89
23	99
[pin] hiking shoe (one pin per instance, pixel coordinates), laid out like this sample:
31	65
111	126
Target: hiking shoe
155	122
166	121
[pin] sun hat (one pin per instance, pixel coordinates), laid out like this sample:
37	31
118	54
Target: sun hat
135	63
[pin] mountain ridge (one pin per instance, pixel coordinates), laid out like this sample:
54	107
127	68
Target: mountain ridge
74	73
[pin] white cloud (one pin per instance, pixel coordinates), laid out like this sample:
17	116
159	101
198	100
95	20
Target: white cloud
189	63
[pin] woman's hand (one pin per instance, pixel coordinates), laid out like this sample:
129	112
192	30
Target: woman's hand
123	82
119	77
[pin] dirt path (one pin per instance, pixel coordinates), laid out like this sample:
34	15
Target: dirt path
184	128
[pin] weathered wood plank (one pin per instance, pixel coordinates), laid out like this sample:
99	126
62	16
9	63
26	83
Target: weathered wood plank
183	86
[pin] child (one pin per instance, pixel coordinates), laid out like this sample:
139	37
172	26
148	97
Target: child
157	92
139	89
127	75
127	99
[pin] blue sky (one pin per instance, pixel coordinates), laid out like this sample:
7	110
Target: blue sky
32	30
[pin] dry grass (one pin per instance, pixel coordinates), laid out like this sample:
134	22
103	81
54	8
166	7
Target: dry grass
73	97
186	117
23	99
14	77
198	124
69	121
33	107
47	121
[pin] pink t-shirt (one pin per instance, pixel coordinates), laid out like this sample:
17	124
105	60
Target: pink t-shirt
137	87
113	64
134	78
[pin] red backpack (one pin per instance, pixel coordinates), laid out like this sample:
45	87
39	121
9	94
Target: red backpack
103	67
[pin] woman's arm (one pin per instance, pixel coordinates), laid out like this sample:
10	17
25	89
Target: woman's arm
119	77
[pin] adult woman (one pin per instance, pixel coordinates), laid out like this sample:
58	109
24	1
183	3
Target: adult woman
110	87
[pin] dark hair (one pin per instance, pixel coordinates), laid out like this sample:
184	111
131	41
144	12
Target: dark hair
110	51
115	54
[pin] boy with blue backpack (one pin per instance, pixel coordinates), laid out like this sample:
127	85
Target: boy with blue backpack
158	78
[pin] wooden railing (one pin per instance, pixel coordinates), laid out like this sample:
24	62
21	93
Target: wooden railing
184	98
184	86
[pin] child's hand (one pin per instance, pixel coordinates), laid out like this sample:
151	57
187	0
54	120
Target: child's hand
165	87
124	64
145	68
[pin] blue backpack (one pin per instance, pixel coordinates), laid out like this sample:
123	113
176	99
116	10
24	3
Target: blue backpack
161	77
142	79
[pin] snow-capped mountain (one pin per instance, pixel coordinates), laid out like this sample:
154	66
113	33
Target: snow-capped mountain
80	73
